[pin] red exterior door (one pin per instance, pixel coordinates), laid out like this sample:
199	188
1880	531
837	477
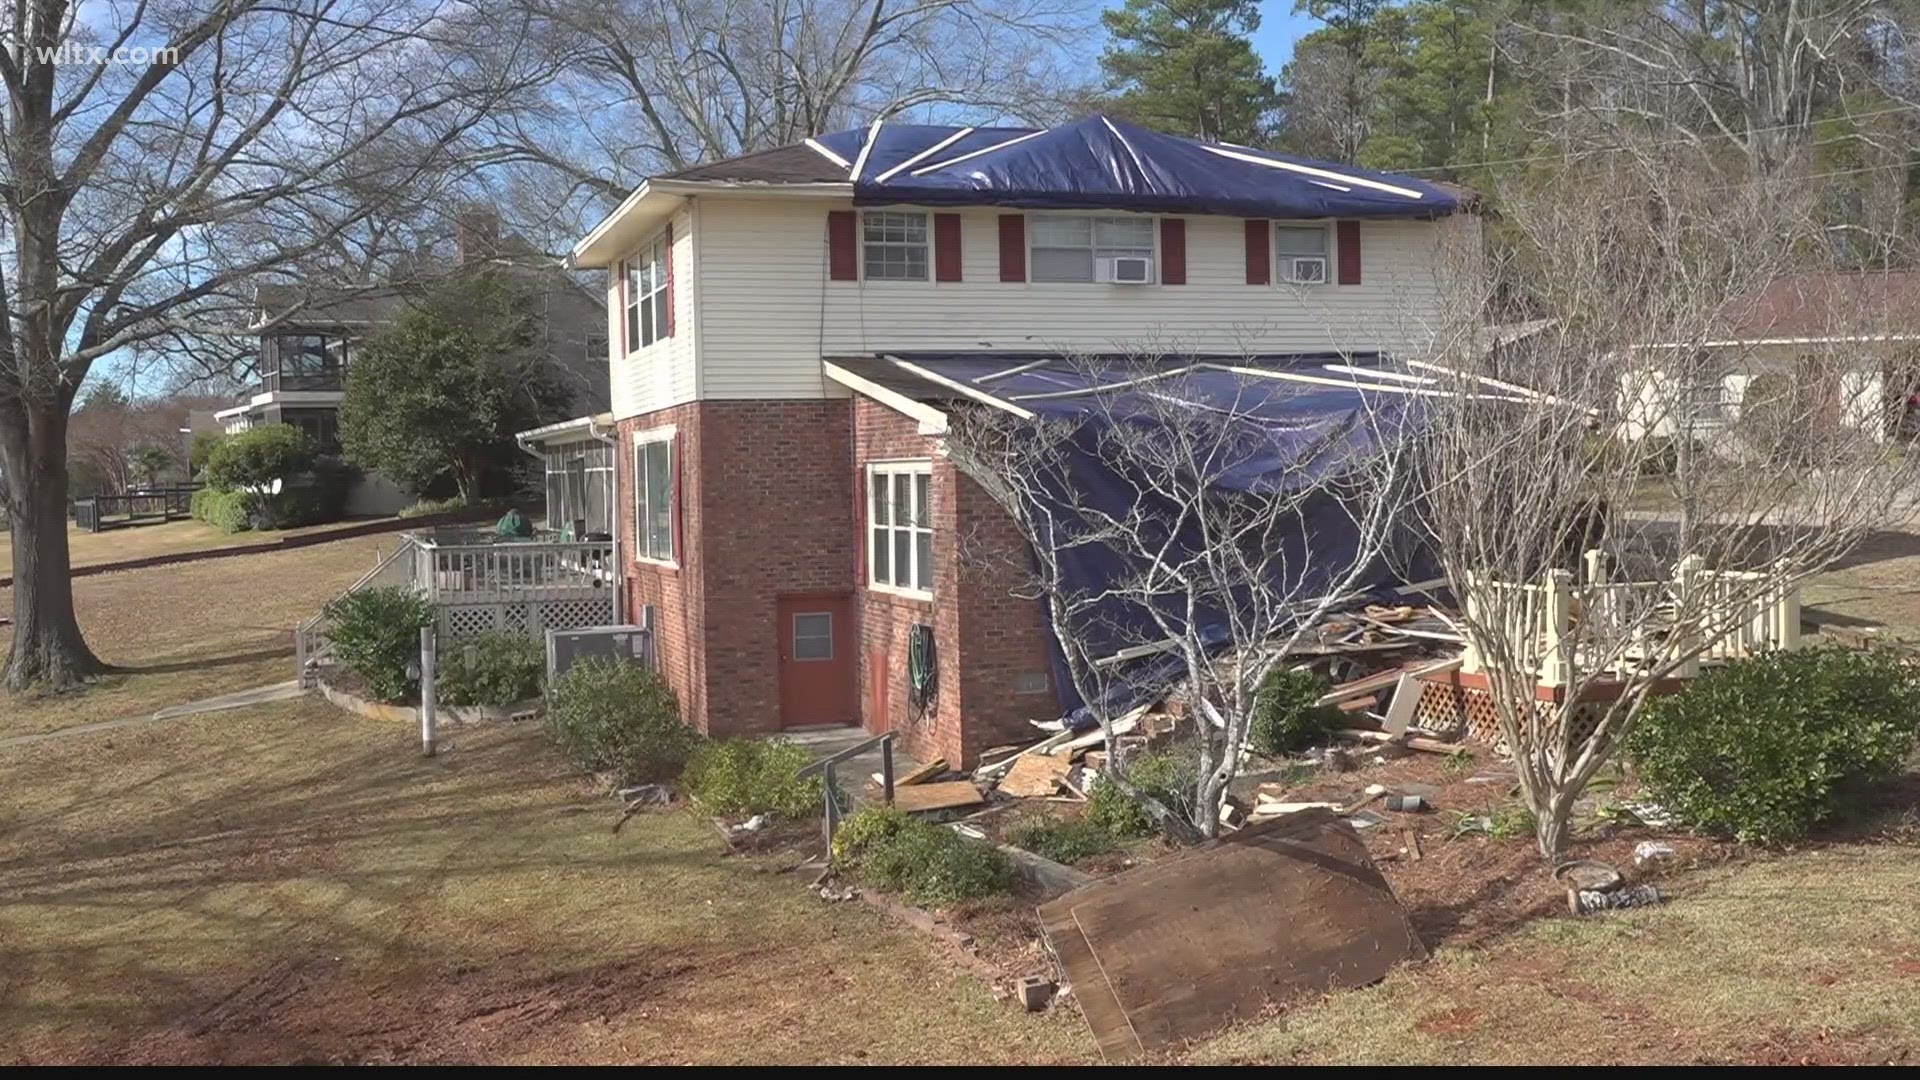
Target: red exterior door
816	661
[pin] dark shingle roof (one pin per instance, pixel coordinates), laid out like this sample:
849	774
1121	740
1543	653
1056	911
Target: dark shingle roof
796	164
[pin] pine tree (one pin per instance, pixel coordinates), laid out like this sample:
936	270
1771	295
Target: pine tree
1187	66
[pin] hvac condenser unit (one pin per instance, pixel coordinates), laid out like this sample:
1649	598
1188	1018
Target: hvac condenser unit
621	644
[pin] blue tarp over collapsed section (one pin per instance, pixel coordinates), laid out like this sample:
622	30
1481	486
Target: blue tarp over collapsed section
1294	430
1099	163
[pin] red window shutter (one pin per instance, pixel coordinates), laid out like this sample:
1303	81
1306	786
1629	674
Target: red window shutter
679	498
946	247
1346	236
620	300
1259	252
843	234
1173	251
1013	247
666	262
859	525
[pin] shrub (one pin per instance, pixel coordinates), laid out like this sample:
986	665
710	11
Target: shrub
614	717
1286	717
228	511
741	777
490	669
1168	775
258	456
202	449
1066	841
1766	748
929	864
424	507
310	498
376	634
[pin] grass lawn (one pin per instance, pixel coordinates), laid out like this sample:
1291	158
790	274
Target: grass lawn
1879	584
292	884
192	630
139	542
1806	957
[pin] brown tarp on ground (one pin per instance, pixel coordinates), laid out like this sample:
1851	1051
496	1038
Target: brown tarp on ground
1174	949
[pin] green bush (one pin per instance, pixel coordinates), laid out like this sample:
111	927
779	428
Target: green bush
929	864
1066	841
741	777
1286	718
614	717
258	456
228	511
314	497
376	634
1168	775
1764	749
202	449
490	669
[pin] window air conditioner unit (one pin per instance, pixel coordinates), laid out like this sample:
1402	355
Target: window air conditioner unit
1311	270
1129	270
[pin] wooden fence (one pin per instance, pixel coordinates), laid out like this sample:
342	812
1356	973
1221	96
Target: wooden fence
99	512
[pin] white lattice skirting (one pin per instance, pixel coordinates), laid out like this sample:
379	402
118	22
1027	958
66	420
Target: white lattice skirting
530	617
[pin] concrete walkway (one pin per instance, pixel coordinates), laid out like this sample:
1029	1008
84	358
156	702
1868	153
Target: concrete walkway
239	699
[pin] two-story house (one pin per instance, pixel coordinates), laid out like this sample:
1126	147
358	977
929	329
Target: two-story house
780	323
308	336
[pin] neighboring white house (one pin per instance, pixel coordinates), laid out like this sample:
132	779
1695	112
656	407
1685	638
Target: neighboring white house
1855	333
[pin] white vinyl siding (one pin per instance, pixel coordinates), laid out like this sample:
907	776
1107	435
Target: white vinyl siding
653	496
768	313
648	380
1069	247
893	245
900	527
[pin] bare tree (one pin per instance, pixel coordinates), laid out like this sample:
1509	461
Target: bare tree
157	159
652	86
1646	489
1228	516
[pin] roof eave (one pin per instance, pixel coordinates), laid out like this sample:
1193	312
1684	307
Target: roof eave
655	200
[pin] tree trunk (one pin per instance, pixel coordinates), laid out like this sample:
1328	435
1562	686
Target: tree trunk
48	648
1553	824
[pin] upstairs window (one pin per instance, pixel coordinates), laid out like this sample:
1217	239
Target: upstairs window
900	547
894	245
1301	252
647	295
1072	247
653	497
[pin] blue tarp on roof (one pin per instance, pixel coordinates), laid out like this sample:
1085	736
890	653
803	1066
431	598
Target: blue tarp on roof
1104	164
1292	434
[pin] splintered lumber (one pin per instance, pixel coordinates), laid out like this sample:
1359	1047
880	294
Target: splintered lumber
1231	928
1035	776
941	796
1359	688
1045	745
924	773
1416	742
1121	726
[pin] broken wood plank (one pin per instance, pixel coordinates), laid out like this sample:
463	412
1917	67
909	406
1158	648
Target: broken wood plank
924	773
940	796
1044	746
1035	776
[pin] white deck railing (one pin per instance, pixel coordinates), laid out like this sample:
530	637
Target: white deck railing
504	572
1620	628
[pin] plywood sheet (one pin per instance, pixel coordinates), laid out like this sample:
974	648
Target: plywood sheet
1186	944
1035	776
943	796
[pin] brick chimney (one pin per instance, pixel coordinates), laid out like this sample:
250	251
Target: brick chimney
476	234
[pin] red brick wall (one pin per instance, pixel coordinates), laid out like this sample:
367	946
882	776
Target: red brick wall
984	637
765	509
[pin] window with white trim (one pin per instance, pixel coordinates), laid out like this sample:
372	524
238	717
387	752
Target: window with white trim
647	295
894	245
1301	252
653	498
900	526
1074	247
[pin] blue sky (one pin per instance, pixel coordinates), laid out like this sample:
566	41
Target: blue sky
1279	29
